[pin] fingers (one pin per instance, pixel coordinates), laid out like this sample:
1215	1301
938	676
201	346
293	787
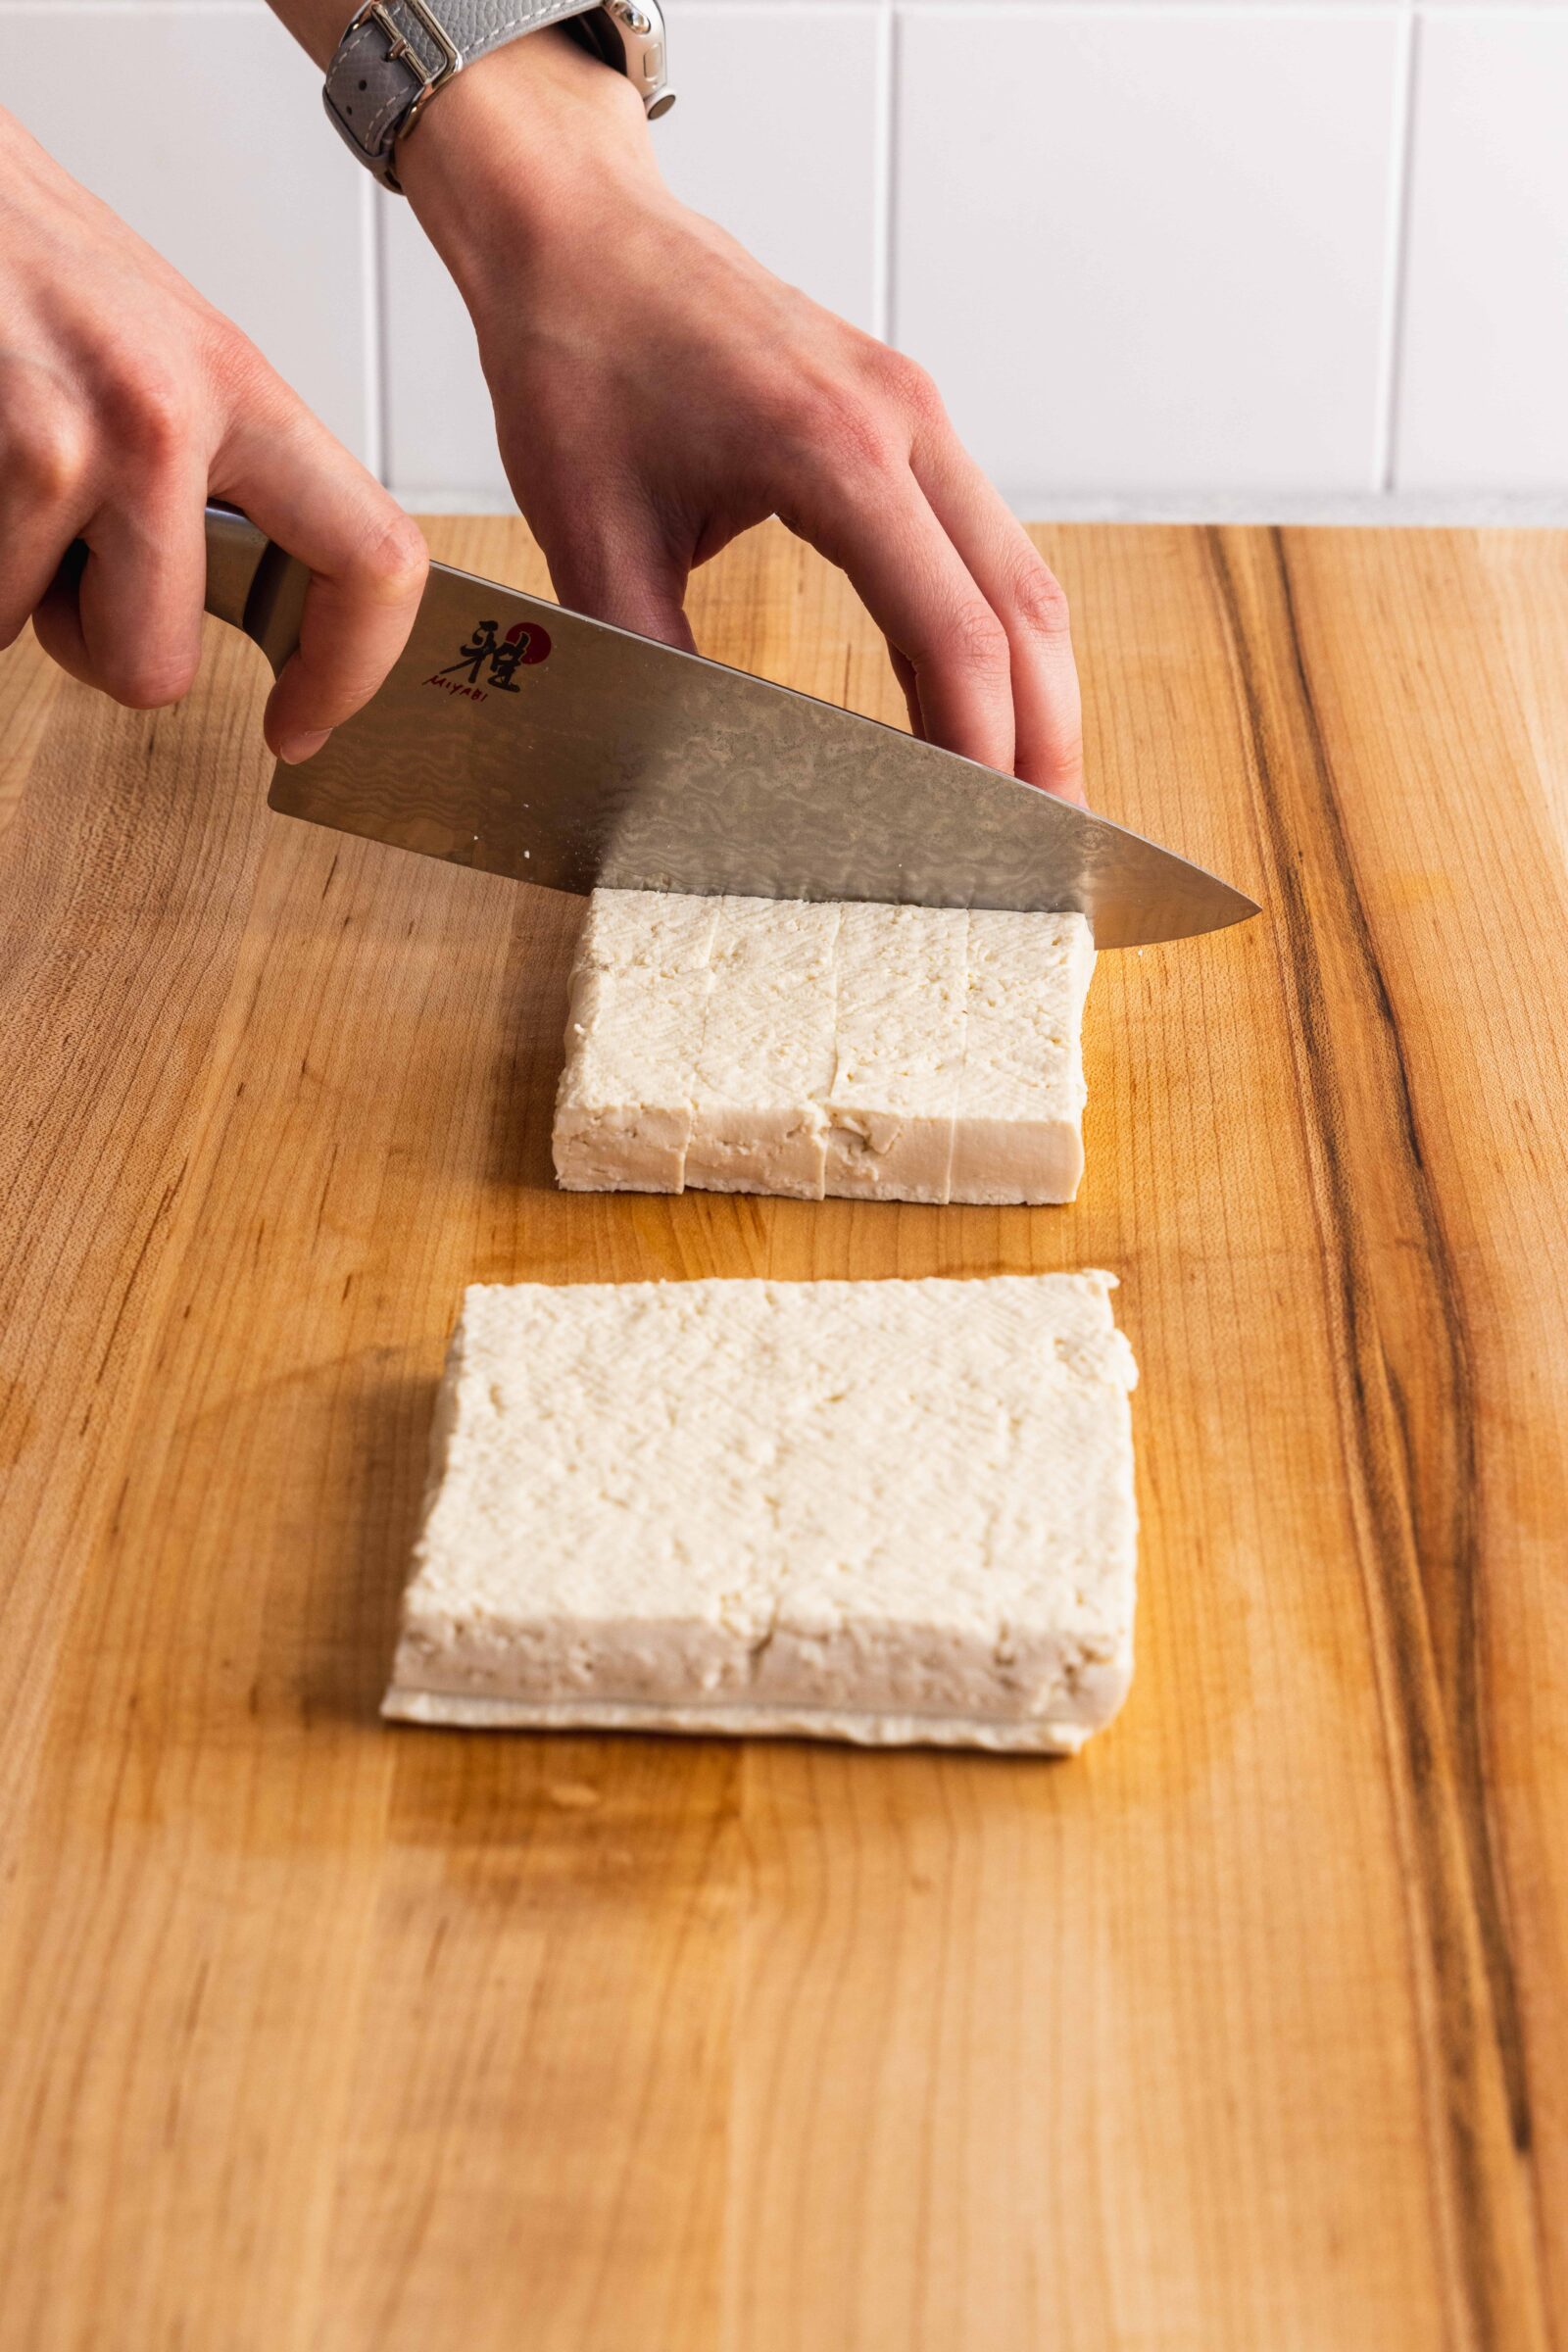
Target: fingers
975	623
132	626
123	397
130	622
955	664
113	453
367	560
32	540
619	567
1026	600
47	493
903	671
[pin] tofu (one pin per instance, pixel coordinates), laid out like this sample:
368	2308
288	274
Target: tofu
888	1512
766	1054
879	1052
638	1009
901	977
1018	1134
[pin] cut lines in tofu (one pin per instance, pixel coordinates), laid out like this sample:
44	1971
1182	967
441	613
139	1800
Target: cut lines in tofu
777	1046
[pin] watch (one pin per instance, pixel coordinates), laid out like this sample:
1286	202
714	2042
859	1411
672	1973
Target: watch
396	54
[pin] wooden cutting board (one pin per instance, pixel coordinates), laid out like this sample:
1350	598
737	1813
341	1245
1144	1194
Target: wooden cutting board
1249	2028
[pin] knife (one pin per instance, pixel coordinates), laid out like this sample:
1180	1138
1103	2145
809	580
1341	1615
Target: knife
522	739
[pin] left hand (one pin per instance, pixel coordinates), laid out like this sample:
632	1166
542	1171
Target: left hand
126	402
656	391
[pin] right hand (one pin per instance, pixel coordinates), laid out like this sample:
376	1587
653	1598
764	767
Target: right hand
656	392
126	402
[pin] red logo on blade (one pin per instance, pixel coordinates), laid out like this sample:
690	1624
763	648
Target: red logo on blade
523	645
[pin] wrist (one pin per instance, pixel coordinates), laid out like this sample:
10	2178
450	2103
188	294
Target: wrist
533	134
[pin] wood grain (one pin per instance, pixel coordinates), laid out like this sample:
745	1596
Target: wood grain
1248	2027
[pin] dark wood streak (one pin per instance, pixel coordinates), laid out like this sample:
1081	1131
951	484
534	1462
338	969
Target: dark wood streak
1425	1549
1453	1559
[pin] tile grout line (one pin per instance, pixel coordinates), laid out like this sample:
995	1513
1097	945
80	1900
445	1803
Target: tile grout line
383	330
884	228
374	323
1391	355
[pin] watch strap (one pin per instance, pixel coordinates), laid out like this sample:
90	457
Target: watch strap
396	53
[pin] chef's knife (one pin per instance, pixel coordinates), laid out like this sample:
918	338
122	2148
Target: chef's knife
522	739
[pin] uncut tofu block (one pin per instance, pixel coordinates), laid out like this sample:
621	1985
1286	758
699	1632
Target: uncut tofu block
890	1512
882	1052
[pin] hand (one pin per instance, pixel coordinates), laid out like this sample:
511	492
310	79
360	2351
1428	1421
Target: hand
656	392
124	400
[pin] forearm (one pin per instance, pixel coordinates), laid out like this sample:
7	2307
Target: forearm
537	142
525	121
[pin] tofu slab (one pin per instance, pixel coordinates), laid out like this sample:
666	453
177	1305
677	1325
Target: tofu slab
1018	1134
898	1063
888	1512
766	1054
880	1053
639	995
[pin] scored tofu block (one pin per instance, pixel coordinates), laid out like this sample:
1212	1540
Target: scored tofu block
638	1008
1019	1131
899	974
881	1511
766	1056
766	1046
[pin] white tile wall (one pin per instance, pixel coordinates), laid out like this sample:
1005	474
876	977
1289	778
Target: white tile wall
1161	255
440	439
777	134
1148	250
1484	371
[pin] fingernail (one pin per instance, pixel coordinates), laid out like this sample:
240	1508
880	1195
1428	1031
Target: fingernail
295	748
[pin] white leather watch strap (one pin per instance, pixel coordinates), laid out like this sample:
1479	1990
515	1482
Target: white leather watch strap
397	53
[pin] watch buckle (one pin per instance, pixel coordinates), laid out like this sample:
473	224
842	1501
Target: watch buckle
399	48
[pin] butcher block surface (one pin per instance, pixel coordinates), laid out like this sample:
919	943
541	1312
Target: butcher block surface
1248	2027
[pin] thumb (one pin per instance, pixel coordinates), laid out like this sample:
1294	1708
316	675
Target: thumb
621	568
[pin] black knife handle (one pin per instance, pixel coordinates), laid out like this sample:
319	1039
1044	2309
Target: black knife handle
250	584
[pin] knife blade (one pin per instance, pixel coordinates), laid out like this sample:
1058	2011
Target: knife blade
522	739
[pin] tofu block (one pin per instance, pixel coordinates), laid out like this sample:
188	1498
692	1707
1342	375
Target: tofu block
638	1009
890	1512
882	1052
901	976
1018	1134
766	1056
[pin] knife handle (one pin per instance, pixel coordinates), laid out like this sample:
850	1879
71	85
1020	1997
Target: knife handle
254	585
250	584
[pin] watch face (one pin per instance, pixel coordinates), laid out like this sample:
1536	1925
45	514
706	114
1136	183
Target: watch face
629	34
